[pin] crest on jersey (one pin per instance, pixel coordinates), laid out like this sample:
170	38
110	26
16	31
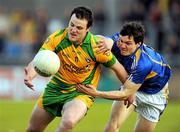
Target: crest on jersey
88	60
78	52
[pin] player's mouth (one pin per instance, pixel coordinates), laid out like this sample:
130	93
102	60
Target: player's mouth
73	35
123	49
124	52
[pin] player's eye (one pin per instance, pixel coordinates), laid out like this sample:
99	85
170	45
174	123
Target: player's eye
128	44
71	24
79	28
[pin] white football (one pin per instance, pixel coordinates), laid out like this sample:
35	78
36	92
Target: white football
46	63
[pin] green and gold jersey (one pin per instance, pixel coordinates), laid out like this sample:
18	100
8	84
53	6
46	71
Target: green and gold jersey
79	64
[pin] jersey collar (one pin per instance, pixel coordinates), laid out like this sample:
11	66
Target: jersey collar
86	40
133	54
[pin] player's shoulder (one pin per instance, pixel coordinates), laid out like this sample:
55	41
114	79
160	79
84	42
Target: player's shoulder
58	32
148	53
115	36
55	38
58	35
143	58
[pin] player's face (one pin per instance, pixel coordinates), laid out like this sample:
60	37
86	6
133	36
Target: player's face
77	29
127	45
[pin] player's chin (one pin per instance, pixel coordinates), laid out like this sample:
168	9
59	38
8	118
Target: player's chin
124	53
73	38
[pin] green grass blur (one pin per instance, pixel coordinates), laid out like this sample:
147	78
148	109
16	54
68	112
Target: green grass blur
14	117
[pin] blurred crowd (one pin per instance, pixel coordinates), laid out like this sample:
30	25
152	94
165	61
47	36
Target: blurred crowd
22	32
160	17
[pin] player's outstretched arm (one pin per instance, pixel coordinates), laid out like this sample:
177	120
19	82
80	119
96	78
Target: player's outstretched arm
129	88
30	74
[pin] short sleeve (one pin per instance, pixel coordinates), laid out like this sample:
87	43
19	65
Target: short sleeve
139	73
49	43
106	59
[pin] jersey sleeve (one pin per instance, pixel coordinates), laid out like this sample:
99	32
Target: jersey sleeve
115	37
139	73
106	59
51	42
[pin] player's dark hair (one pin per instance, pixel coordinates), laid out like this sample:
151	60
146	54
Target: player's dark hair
134	29
84	13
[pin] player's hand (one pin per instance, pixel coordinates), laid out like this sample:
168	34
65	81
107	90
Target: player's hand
102	46
129	100
28	79
87	89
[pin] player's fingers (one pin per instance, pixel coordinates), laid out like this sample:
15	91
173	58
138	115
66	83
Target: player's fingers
84	86
107	52
101	50
32	88
89	86
25	70
28	84
99	45
125	102
99	41
128	104
79	87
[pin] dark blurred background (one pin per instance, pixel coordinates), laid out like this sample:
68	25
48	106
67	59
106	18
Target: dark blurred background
24	25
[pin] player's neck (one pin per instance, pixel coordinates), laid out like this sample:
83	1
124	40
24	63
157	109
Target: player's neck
77	43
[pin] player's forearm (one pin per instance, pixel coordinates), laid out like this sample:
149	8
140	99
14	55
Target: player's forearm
128	89
120	72
113	95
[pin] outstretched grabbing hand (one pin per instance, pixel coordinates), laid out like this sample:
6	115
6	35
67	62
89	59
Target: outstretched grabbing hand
129	100
28	79
103	45
87	89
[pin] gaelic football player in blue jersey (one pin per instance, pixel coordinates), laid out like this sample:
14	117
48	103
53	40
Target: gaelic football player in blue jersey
148	80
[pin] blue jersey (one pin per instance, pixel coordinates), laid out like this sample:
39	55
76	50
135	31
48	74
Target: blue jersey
145	66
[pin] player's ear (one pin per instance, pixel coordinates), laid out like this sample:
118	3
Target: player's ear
138	44
88	29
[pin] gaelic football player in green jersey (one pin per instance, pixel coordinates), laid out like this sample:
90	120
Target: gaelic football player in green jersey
75	46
